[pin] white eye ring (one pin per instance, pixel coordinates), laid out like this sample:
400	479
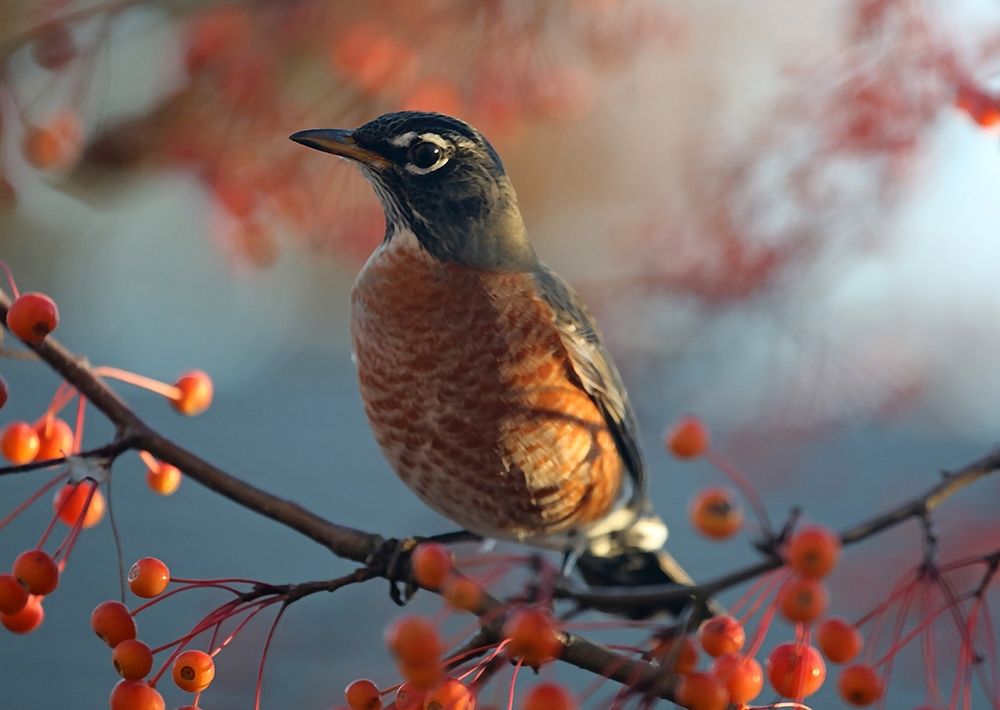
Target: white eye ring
446	149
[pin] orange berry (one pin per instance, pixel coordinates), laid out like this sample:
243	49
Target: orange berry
13	595
163	478
112	623
363	695
69	501
423	673
193	671
795	670
55	439
702	691
860	685
450	694
462	593
148	577
721	635
26	619
687	656
549	696
803	600
742	676
813	551
839	641
37	572
534	636
688	439
42	148
32	316
132	659
716	513
431	564
19	443
413	639
135	695
195	393
4	392
410	697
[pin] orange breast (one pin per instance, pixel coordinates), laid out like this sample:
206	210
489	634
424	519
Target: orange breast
469	392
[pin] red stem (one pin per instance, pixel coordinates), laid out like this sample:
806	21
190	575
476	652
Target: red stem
263	658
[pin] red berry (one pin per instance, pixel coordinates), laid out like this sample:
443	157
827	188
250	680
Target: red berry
702	691
549	696
795	670
410	697
742	676
686	658
716	513
19	443
688	439
135	695
450	694
112	623
163	478
69	501
148	577
53	46
193	671
813	551
13	595
462	593
839	641
27	619
37	572
195	394
55	439
132	659
363	695
423	673
721	635
534	636
860	685
32	316
803	600
431	564
413	639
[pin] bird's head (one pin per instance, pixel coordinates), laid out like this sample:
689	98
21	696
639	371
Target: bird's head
440	178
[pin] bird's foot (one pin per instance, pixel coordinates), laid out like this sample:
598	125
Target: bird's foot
391	558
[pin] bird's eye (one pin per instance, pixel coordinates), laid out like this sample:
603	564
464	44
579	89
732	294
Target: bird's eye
424	155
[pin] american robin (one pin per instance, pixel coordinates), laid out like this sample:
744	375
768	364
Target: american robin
483	374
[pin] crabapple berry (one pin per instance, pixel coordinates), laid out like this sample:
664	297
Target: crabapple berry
26	619
431	564
132	659
803	600
813	551
742	676
795	670
69	501
839	641
721	635
148	577
195	393
688	438
716	513
53	46
450	694
32	316
860	685
163	478
687	656
702	691
37	571
193	671
423	673
55	439
112	623
413	639
409	697
363	695
13	595
549	696
19	443
534	636
462	593
135	695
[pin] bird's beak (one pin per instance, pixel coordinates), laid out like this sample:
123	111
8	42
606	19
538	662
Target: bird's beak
339	142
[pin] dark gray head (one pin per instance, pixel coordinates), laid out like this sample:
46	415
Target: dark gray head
438	177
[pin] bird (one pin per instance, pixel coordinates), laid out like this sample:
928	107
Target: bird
483	375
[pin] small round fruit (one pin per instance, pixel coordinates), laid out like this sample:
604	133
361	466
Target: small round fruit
463	594
195	393
795	670
686	658
135	695
742	676
55	439
839	641
37	571
410	697
132	659
431	564
148	577
32	316
534	636
721	635
19	443
450	694
112	623
26	619
813	551
69	504
716	513
549	696
860	685
424	673
803	600
13	595
413	639
193	671
163	478
702	691
688	439
363	695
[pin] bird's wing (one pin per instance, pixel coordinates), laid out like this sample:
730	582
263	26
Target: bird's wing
595	370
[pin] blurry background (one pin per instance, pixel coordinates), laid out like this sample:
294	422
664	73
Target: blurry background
783	213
